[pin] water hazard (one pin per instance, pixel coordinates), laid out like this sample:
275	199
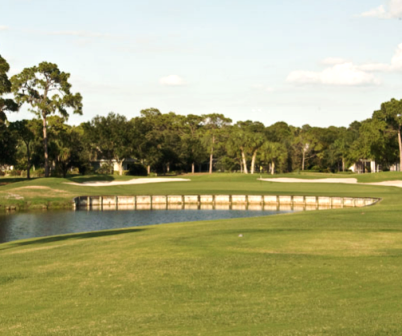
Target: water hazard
20	225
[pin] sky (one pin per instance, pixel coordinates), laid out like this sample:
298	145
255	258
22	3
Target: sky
317	62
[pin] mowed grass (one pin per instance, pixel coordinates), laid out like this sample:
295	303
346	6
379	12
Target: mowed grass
56	192
332	272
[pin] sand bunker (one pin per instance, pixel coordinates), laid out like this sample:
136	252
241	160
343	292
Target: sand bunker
326	180
396	183
387	183
133	181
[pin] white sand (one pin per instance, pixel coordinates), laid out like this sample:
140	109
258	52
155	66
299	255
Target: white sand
387	183
133	181
396	183
326	180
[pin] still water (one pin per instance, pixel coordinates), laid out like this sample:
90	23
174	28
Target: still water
20	225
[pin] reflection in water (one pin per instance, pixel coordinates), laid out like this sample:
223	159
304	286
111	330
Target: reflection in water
15	226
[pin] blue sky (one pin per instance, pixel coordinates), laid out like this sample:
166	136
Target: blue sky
322	63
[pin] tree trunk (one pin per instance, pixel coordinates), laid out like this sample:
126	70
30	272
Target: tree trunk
149	169
168	167
252	168
211	157
192	168
400	148
343	164
28	162
64	170
244	162
45	147
241	167
304	158
273	168
120	163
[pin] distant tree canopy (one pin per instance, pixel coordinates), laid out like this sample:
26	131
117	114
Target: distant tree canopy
8	142
169	142
6	104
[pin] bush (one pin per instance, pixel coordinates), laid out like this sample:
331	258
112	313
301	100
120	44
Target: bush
15	172
40	172
137	170
106	168
85	168
125	172
2	173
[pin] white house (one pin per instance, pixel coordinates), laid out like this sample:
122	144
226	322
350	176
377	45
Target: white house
365	166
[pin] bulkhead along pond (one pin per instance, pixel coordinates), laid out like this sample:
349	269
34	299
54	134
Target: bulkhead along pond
24	225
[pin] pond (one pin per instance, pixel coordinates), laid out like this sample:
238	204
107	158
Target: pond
20	225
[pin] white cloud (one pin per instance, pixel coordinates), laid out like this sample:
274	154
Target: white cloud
333	61
346	74
379	12
396	61
2	28
172	80
392	10
394	66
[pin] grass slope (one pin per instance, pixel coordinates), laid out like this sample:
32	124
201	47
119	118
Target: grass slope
333	272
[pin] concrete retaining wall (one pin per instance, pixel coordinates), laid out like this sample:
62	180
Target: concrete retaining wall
221	201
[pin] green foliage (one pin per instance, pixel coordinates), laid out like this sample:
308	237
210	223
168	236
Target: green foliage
6	104
110	136
106	168
39	172
137	170
15	172
47	90
8	143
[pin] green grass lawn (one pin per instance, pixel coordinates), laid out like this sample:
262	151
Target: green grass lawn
332	272
54	192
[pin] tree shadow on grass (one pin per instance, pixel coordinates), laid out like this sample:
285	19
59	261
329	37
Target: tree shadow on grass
9	180
85	235
91	178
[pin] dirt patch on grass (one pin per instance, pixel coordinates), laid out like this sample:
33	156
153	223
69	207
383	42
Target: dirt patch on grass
40	187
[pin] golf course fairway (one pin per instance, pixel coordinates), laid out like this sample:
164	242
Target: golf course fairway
330	272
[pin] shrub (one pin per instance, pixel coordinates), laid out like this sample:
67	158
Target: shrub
2	173
137	170
40	172
106	168
125	172
15	172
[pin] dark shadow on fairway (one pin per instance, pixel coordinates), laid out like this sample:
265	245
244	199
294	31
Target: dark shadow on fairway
86	235
7	180
91	178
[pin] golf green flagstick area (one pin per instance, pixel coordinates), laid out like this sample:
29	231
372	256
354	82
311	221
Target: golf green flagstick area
330	272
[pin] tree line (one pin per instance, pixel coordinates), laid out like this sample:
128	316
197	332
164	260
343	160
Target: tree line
162	143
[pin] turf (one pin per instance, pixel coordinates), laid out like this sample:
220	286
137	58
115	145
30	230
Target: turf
332	272
55	192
